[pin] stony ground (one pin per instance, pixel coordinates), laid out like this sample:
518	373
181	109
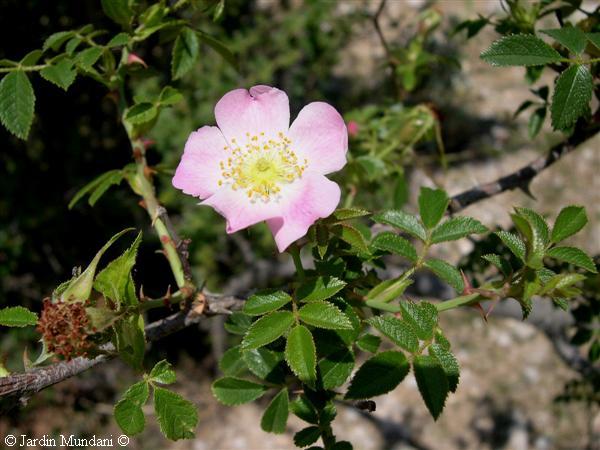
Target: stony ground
510	372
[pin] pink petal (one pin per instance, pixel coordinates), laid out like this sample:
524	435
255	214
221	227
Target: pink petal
198	172
319	134
318	197
262	110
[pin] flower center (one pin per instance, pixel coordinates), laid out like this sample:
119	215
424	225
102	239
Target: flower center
261	167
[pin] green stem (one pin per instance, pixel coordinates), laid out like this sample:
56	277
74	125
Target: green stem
173	299
463	300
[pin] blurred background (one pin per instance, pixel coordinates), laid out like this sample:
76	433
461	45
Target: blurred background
437	114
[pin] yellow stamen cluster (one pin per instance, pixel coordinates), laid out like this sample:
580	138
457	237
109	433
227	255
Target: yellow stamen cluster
261	166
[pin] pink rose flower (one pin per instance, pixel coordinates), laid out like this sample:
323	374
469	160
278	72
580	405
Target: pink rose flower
255	167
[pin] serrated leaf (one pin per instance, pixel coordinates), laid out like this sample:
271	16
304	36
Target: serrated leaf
87	58
502	264
130	340
432	383
61	74
456	228
403	221
324	315
267	329
137	393
17	102
262	303
169	96
300	353
343	214
234	391
369	343
352	236
570	37
448	363
118	40
237	323
573	255
231	363
446	272
399	332
572	95
320	288
263	363
141	113
336	368
56	40
97	187
275	417
514	243
378	375
185	52
17	316
176	416
115	281
432	205
118	10
534	227
421	316
347	335
520	50
130	417
304	409
307	436
391	242
72	45
163	373
570	220
561	281
31	58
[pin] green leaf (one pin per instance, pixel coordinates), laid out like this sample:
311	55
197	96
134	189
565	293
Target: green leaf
131	340
219	47
118	40
336	368
118	10
570	220
369	343
399	332
502	264
391	242
238	323
185	52
129	416
235	391
320	288
87	58
572	95
352	236
263	363
448	363
403	221
594	38
56	40
72	45
163	373
421	316
534	227
307	436
573	255
62	73
231	363
17	316
17	101
303	408
536	120
31	58
388	290
514	244
432	205
432	383
176	416
446	272
141	113
137	393
267	329
456	228
378	375
301	354
265	302
343	214
520	50
115	281
570	37
324	315
97	187
275	417
347	335
169	96
560	282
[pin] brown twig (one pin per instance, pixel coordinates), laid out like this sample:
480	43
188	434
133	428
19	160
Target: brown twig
522	177
19	387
